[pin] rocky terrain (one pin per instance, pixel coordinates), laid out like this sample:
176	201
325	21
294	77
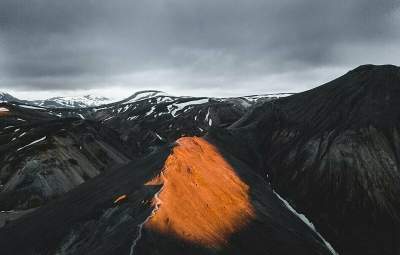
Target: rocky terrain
311	173
44	156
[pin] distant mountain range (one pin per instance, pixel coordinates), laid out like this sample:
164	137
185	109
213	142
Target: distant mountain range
59	102
92	101
311	173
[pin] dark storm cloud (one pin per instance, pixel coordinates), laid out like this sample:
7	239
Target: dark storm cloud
51	44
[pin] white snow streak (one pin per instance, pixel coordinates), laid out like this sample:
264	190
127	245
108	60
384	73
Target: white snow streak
140	226
31	107
11	211
108	118
208	114
158	136
208	118
32	143
307	222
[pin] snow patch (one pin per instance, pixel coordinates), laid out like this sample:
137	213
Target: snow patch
74	101
145	95
151	111
132	118
174	108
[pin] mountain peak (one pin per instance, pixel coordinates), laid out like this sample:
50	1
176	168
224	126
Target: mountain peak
370	80
144	94
73	101
5	97
367	95
375	68
360	97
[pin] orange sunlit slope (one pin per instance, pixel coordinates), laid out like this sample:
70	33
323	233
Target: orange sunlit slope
202	200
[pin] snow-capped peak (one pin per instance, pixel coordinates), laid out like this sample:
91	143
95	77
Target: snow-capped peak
145	94
5	97
73	101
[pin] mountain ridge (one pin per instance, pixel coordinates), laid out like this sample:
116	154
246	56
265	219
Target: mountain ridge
89	101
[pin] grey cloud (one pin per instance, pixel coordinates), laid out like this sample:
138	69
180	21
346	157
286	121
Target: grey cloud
54	44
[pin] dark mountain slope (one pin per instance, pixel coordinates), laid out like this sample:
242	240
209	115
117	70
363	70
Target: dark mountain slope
87	216
334	153
12	114
43	156
146	207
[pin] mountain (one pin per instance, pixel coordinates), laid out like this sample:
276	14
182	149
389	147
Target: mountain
88	101
315	172
44	156
72	102
5	97
333	152
59	102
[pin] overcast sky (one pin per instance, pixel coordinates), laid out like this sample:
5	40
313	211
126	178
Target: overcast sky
189	47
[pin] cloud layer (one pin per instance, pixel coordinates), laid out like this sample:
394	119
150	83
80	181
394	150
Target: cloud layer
193	46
